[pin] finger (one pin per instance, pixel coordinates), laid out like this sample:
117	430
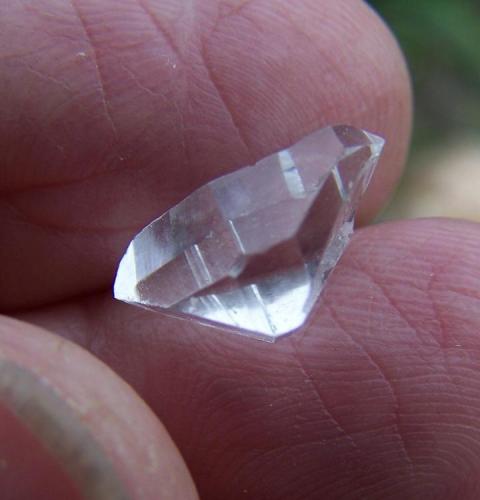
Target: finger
128	106
69	428
377	398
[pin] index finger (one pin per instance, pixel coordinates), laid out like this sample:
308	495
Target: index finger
128	106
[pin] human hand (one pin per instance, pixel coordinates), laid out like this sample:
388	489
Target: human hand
114	110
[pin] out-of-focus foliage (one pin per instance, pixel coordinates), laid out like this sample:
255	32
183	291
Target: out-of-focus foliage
441	41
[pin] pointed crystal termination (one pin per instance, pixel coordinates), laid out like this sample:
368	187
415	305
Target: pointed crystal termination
250	251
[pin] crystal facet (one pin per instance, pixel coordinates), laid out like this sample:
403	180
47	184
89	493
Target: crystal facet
250	251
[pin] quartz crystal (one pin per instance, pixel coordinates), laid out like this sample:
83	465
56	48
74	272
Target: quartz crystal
250	251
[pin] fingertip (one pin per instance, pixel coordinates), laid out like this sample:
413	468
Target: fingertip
202	94
97	437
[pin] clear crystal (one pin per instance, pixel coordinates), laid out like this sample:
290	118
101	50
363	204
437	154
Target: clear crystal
250	251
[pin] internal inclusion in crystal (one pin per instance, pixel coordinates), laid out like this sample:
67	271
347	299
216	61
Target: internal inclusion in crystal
250	251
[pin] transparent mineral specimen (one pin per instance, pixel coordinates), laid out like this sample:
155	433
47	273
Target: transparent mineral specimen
250	251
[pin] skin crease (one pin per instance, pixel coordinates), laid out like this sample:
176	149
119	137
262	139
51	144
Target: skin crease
111	112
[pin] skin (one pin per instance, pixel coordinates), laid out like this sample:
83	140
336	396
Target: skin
112	112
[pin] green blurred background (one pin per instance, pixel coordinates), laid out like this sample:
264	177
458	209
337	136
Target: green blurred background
441	41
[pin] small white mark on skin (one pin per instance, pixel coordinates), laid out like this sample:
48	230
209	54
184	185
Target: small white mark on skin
81	54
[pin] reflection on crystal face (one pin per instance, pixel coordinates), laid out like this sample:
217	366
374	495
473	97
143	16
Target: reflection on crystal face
251	250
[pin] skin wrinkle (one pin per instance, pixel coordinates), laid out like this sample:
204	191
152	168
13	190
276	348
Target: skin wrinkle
332	62
381	371
321	400
455	466
390	300
400	485
61	433
429	289
18	55
441	326
92	176
99	72
337	484
267	459
280	454
48	78
61	184
29	219
202	52
224	13
413	249
175	48
363	100
232	397
344	491
237	469
235	8
162	31
149	91
215	80
227	106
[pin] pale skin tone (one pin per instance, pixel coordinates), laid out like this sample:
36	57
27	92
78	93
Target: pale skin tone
112	111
